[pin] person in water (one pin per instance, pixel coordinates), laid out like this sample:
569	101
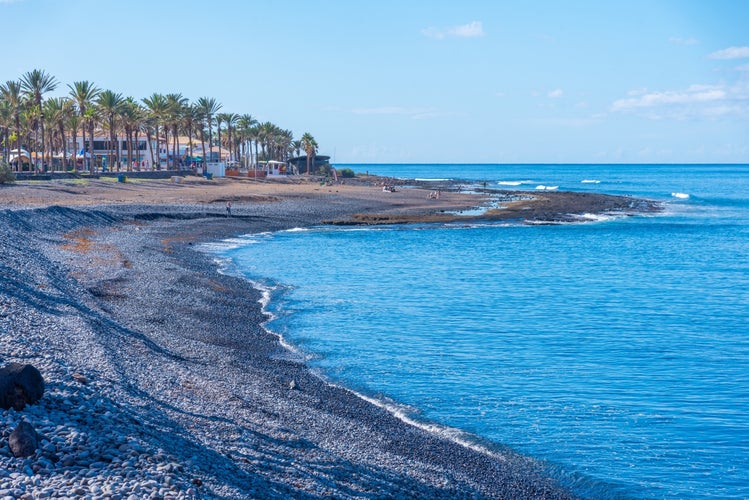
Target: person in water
228	209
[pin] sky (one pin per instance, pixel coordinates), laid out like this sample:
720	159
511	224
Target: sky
412	81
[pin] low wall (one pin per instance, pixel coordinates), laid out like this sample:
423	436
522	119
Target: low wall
156	174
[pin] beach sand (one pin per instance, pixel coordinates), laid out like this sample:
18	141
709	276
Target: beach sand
186	395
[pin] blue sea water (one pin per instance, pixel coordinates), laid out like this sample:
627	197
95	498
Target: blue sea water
614	352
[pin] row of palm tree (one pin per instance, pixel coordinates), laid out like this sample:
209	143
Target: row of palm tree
46	126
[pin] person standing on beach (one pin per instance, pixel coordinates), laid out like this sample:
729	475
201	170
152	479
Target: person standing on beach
228	209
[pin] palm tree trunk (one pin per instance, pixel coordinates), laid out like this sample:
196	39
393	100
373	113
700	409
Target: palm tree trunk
149	139
64	152
176	147
75	147
137	148
166	146
92	158
41	123
202	143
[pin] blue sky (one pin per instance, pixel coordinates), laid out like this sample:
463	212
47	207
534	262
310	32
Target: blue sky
423	81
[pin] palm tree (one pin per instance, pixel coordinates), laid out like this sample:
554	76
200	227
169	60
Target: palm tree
219	120
12	95
232	119
176	105
190	117
297	145
131	115
84	93
266	131
31	116
57	113
140	124
36	83
208	107
285	138
110	104
73	123
245	123
158	110
310	147
254	136
6	122
150	127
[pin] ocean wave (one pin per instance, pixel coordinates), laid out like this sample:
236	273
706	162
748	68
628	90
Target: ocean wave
682	196
541	187
588	217
590	181
223	245
513	183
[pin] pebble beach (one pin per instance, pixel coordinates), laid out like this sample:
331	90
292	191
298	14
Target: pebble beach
160	380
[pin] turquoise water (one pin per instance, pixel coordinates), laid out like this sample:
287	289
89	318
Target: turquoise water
616	352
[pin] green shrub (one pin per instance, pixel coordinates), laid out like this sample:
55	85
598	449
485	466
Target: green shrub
347	173
6	175
324	170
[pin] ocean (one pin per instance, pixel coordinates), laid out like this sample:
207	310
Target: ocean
615	352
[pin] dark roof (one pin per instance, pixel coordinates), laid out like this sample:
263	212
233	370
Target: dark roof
303	158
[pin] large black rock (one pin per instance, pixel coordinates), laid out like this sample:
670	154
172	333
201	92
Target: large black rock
20	385
23	441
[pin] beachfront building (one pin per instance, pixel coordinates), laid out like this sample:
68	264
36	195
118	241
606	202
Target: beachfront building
317	163
146	155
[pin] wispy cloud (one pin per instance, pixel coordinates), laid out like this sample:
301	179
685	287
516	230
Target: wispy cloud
731	53
683	41
709	101
644	99
555	94
470	30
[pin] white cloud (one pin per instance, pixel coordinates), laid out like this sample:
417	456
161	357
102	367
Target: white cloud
470	30
694	94
731	53
683	41
555	94
707	101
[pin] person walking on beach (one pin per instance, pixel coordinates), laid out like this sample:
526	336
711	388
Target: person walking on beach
228	209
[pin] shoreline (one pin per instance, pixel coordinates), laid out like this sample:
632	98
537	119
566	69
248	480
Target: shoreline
168	341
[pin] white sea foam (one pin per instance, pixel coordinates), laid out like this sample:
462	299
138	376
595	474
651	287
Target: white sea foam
682	196
296	230
590	181
514	183
541	187
402	412
587	217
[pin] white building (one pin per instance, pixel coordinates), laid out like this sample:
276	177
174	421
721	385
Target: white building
146	156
